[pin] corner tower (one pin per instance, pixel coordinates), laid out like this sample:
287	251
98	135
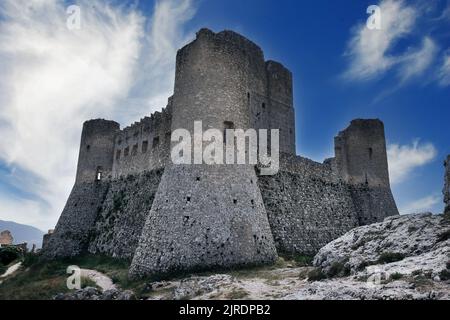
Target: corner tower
207	216
75	226
95	160
361	161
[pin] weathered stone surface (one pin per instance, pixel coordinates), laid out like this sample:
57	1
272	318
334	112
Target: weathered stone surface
46	238
199	223
424	273
446	190
119	223
6	238
419	242
350	289
76	225
90	293
307	205
198	286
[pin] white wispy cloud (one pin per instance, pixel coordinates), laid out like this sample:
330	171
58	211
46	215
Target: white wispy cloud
415	62
444	70
372	53
368	49
421	205
403	159
52	79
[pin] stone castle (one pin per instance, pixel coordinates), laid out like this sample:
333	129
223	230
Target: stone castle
130	201
6	239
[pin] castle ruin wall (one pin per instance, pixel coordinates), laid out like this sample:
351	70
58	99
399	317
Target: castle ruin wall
446	190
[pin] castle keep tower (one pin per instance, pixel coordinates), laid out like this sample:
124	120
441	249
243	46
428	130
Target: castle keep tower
361	160
361	155
209	215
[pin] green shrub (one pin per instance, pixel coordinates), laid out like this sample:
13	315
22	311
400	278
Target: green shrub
2	269
388	257
338	269
444	236
87	282
30	259
396	276
445	275
9	254
237	294
417	272
300	260
316	275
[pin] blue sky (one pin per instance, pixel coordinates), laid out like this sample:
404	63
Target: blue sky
342	71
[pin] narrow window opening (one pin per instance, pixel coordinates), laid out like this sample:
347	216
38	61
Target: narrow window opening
144	146
188	199
227	125
234	201
126	152
99	174
263	105
135	150
370	153
88	147
155	142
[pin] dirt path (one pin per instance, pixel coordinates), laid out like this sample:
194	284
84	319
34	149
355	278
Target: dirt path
10	270
103	281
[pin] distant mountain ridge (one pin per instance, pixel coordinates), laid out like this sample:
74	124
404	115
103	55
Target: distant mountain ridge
23	233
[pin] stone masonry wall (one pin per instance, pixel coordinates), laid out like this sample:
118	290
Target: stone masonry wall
446	189
145	145
6	238
372	203
307	205
198	222
76	225
119	223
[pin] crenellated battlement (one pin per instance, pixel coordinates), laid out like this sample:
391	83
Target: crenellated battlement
144	145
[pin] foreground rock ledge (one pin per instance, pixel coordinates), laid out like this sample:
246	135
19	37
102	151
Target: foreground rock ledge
404	257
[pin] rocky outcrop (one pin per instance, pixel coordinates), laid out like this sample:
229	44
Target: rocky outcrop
91	293
351	289
401	244
403	257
